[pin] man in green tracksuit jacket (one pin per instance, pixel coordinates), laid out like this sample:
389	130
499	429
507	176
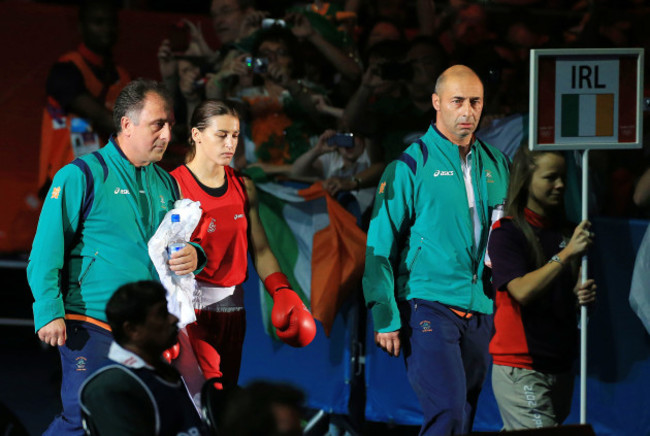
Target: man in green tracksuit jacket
424	275
92	236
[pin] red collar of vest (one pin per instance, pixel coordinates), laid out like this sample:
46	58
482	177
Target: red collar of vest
537	220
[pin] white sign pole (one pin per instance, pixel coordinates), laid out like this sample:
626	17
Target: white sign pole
583	309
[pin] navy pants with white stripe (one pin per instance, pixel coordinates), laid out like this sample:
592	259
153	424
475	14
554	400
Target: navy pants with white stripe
447	360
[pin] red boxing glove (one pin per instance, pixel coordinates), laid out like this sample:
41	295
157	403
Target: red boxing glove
172	353
293	323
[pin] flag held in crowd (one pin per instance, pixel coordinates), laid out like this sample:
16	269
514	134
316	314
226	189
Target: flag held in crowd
317	243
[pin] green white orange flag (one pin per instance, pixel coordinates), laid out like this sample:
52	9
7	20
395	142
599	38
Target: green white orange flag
587	115
318	246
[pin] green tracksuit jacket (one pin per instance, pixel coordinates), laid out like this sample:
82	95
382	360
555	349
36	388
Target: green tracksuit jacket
421	242
93	231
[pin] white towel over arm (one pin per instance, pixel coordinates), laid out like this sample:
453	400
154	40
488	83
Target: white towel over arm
180	289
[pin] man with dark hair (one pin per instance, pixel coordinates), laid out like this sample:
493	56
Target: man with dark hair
427	60
81	89
141	394
98	216
229	19
132	100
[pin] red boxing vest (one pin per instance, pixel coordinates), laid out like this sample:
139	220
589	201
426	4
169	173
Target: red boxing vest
222	230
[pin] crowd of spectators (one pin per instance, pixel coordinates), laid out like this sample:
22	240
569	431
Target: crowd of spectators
298	69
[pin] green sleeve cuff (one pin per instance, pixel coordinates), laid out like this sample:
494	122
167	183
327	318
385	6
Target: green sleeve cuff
202	260
386	317
46	311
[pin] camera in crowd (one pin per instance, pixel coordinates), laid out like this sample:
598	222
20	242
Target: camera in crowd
345	140
269	22
258	65
396	71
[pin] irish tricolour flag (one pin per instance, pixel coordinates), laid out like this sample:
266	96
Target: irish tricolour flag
317	243
587	115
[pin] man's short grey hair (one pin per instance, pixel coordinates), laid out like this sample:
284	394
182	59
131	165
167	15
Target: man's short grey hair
440	82
131	100
438	85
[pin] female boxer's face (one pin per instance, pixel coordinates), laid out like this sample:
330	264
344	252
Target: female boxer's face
218	141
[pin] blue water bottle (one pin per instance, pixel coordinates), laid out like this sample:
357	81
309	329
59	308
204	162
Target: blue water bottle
177	243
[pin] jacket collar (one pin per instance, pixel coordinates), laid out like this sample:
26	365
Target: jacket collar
113	141
118	153
447	147
435	128
127	358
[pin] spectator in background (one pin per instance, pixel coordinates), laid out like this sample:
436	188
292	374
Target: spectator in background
282	115
190	87
323	105
383	29
427	60
342	168
345	63
140	393
468	33
234	20
392	105
230	76
331	48
361	111
81	91
334	64
197	70
535	258
235	23
182	69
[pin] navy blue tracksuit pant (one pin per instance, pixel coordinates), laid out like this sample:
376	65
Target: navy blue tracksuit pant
84	352
446	362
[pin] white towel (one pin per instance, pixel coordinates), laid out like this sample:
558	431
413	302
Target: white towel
180	289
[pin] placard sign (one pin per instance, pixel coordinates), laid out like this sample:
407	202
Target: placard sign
586	98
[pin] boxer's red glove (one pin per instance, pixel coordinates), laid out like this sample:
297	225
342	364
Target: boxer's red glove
172	353
292	321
